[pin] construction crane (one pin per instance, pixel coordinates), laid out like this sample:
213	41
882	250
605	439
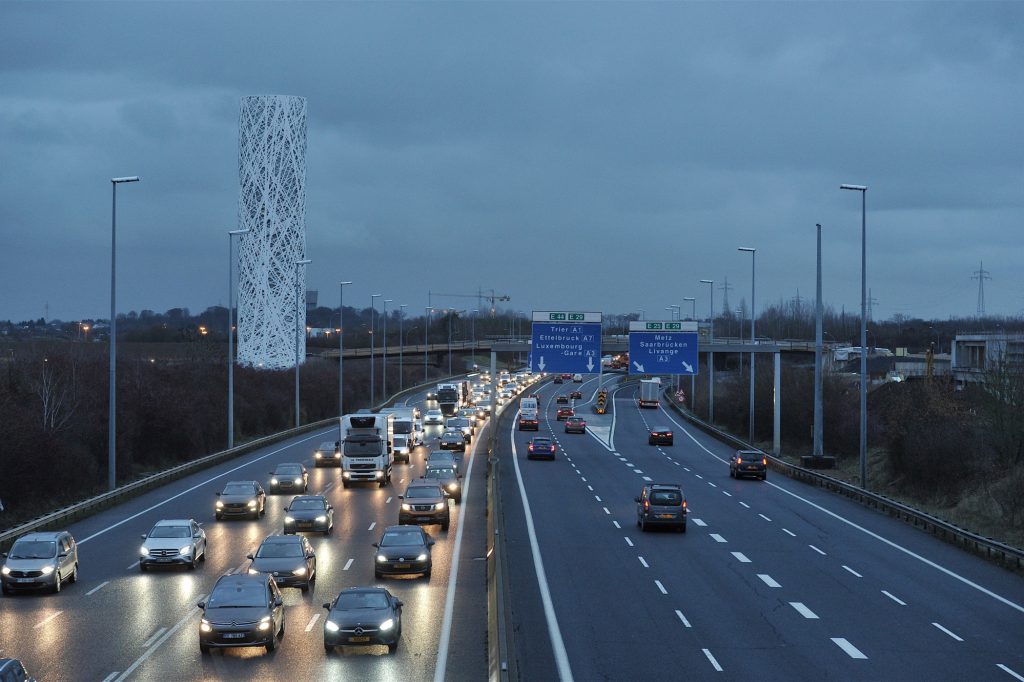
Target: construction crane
480	295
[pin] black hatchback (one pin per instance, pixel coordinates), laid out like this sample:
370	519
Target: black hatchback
242	610
748	463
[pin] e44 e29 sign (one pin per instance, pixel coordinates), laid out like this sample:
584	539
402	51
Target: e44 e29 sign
566	342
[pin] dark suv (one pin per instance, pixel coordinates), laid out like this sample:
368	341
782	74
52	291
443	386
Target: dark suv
748	463
242	610
661	504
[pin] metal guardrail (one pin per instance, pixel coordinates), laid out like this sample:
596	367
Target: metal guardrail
993	550
61	517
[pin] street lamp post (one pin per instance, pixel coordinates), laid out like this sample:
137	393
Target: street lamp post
401	344
693	306
642	314
693	377
373	369
473	328
863	331
112	420
231	330
711	353
753	338
818	436
298	331
384	359
341	353
426	339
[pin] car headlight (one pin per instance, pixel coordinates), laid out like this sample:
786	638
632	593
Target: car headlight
331	626
422	557
387	625
47	570
5	570
347	474
219	504
204	625
252	503
273	481
321	519
298	481
439	506
406	507
337	455
289	519
452	486
187	549
378	474
265	623
318	455
253	571
144	551
381	557
299	571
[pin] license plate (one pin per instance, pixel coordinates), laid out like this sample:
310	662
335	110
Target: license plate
402	565
163	560
665	516
234	635
305	525
26	580
359	639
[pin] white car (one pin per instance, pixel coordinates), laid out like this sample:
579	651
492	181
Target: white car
175	542
433	417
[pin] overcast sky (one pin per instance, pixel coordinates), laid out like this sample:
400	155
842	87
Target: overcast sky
580	156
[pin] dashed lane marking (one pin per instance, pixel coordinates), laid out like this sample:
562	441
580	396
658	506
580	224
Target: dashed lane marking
46	620
348	564
643	562
597	497
628	541
718	538
387	501
852	571
154	637
854	652
661	587
741	557
712	659
894	598
699	522
764	517
312	621
616	524
372	526
686	623
1009	672
647	478
606	510
786	530
745	505
97	588
768	580
951	634
817	550
727	493
803	610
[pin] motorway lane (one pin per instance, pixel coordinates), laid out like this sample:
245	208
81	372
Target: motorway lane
117	617
737	620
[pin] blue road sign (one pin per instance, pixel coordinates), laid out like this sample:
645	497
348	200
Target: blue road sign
662	348
566	342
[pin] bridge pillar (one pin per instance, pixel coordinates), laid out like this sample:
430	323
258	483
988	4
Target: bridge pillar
777	401
711	387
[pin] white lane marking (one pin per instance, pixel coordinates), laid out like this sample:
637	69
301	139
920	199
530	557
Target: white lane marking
951	634
699	522
372	525
616	524
768	580
683	618
850	649
817	550
712	484
628	541
686	468
387	501
131	566
927	562
852	571
46	620
583	479
402	480
741	557
348	564
727	493
712	659
590	488
199	485
764	517
1008	671
637	471
890	596
675	462
157	644
647	478
110	677
803	610
629	464
718	538
312	621
699	476
554	633
597	497
97	588
606	510
642	561
153	637
786	530
745	505
661	587
328	487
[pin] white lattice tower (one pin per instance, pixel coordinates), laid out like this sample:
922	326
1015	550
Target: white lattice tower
271	203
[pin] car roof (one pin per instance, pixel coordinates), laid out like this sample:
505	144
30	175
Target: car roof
240	482
288	464
661	427
326	444
173	522
750	452
44	535
242	578
421	483
671	486
282	540
309	497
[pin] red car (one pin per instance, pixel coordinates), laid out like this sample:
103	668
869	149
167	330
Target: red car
576	395
540	447
575	425
562	400
565	413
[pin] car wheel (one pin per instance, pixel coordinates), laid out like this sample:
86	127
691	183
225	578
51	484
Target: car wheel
444	525
202	557
643	525
74	573
218	517
194	563
344	483
393	647
204	650
426	574
142	567
305	585
458	499
328	649
682	528
263	509
56	581
3	588
764	477
271	643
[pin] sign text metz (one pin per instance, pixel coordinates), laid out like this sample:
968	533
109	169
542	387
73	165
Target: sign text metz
566	342
662	347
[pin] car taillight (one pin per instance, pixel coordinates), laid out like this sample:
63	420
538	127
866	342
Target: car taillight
764	461
684	504
739	460
647	505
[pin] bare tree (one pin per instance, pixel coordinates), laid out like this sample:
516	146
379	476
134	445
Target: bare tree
58	395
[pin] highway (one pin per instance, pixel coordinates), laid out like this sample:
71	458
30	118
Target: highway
118	623
773	580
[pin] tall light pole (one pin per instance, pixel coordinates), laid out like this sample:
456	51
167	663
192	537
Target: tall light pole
341	353
693	306
373	369
401	344
673	312
473	327
384	359
863	331
298	331
112	420
711	354
753	338
693	377
231	331
818	445
426	339
642	314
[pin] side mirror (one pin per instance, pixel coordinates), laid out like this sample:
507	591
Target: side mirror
62	554
250	557
401	497
310	555
376	544
144	536
278	601
327	605
430	543
198	534
636	499
399	602
217	494
285	508
201	605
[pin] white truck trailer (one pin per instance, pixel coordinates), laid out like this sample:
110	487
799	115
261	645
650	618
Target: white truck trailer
367	448
650	392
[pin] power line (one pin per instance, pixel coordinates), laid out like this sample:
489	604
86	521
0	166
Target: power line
726	288
981	274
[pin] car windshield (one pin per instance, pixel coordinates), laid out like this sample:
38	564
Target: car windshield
440	457
238	595
362	600
438	472
170	532
288	470
239	489
326	446
403	427
33	549
421	491
452	435
661	429
306	504
279	550
356	448
541	442
671	498
401	539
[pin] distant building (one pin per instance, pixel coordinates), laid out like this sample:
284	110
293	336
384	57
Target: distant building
975	354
